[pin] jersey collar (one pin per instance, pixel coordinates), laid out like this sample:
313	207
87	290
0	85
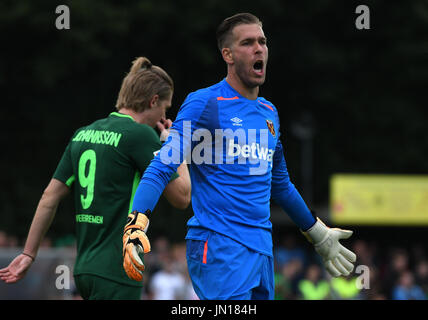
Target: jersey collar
117	114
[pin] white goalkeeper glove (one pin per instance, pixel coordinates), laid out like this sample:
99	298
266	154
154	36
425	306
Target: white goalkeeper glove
338	260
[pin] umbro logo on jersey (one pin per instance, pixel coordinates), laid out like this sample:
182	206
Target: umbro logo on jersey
236	121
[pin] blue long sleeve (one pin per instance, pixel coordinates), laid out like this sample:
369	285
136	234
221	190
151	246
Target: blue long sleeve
171	155
146	199
286	195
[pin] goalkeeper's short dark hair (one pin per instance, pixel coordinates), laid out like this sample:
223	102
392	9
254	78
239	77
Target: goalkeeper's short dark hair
224	30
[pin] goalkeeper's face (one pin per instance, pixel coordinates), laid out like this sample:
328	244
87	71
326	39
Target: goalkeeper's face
249	54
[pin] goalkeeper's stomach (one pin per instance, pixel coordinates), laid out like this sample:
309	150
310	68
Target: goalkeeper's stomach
250	226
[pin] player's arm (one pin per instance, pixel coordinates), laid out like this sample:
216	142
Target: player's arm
57	189
157	175
285	193
45	213
177	191
337	259
153	183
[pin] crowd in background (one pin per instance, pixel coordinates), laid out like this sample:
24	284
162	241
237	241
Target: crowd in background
395	273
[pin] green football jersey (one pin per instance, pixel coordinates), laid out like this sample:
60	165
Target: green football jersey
104	162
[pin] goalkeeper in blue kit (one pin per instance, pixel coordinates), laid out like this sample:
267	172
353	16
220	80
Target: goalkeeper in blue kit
230	137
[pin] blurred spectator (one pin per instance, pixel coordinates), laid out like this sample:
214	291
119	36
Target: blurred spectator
7	240
189	292
406	289
160	252
166	284
398	263
360	248
345	288
3	239
365	252
288	250
153	261
46	243
286	280
374	290
313	286
377	296
419	253
178	252
13	241
166	276
422	276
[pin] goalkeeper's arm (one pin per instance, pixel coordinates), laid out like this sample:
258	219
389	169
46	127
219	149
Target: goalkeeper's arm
337	259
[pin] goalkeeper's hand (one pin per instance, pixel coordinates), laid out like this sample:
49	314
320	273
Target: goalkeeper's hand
338	260
135	241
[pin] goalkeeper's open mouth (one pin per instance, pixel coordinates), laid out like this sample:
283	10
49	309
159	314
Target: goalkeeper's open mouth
258	67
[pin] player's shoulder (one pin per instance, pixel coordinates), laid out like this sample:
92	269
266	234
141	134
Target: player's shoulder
207	93
131	132
196	102
142	132
138	138
128	126
268	103
98	125
202	94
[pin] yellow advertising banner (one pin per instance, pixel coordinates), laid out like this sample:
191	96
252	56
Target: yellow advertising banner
379	199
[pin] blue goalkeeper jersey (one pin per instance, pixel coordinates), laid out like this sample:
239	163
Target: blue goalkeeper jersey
237	165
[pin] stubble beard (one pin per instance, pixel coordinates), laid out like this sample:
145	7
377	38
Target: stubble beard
242	72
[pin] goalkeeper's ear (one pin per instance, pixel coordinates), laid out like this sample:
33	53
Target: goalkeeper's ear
227	55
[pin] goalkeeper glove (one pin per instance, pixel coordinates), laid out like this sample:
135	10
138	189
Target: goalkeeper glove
135	241
337	259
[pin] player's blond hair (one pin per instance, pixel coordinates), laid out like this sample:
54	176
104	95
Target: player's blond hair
141	84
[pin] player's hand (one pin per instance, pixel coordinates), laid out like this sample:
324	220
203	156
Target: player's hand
135	241
16	269
163	126
338	260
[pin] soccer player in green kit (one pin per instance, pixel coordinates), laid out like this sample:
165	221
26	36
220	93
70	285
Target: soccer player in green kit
103	162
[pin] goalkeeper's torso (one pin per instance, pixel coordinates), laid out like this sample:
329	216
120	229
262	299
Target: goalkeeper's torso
104	162
233	141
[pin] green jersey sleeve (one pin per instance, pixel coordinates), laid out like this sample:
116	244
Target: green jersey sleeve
64	170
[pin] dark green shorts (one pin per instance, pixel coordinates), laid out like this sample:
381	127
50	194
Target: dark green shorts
92	287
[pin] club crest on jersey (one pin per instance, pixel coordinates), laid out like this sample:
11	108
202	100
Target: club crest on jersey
270	127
